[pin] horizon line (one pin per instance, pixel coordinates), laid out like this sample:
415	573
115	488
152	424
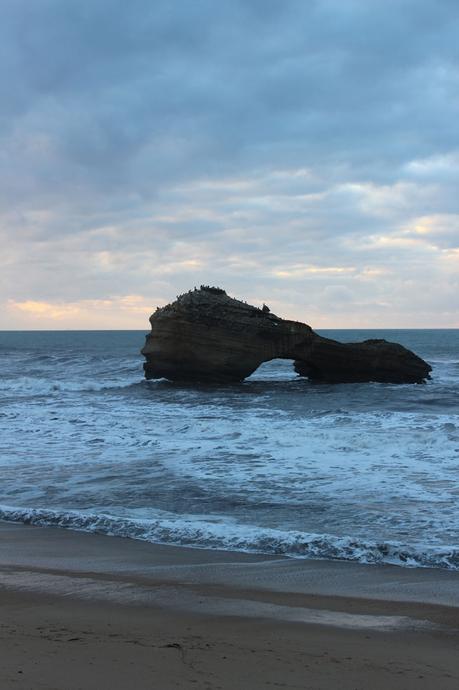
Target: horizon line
141	330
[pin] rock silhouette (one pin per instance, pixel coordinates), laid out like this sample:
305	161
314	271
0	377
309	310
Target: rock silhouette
207	336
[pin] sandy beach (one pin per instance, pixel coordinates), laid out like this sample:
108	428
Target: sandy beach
88	611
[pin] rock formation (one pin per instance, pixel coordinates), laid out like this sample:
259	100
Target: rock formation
205	335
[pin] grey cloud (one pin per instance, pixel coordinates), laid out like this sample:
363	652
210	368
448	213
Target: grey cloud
106	79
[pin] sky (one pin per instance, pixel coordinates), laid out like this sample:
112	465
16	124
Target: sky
301	153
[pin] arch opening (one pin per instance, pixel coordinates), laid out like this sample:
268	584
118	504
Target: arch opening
276	369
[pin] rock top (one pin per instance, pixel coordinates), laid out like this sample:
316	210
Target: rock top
205	335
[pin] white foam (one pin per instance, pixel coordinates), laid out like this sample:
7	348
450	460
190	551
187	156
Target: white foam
199	532
28	385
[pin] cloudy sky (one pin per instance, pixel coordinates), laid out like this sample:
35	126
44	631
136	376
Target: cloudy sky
302	153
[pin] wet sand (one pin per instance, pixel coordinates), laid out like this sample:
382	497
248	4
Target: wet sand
89	611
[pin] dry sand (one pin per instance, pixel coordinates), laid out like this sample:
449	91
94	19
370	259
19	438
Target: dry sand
92	612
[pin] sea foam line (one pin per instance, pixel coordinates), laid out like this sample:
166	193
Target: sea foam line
201	533
42	386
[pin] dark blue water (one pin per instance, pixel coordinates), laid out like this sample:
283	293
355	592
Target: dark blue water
276	464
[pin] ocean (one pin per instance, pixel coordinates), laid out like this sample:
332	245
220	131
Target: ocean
276	465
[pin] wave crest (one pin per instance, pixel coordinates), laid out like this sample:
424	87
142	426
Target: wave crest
197	533
41	386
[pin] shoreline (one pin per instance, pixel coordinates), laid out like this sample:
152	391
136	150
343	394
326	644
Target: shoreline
98	600
61	550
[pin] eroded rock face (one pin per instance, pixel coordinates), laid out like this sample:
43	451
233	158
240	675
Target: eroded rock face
205	335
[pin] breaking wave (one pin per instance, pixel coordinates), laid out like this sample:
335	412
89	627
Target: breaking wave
201	533
44	386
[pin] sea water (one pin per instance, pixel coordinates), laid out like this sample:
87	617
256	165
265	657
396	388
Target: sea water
278	465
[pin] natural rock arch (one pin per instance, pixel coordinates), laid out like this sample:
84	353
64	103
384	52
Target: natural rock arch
205	335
